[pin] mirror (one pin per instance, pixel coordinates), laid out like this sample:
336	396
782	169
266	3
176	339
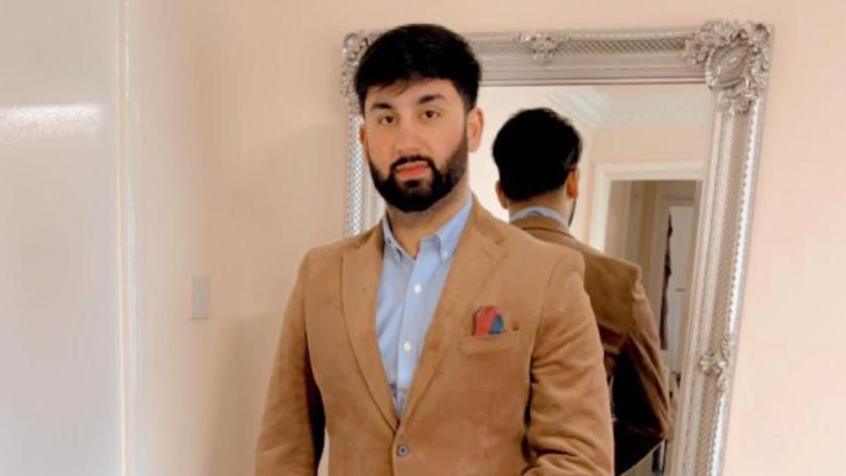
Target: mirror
670	122
644	149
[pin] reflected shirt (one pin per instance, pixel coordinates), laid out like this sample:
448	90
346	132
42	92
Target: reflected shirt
539	211
409	292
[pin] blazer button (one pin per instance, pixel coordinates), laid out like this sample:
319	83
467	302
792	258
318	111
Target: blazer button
403	451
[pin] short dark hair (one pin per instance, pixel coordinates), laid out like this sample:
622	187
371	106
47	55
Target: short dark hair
415	52
535	151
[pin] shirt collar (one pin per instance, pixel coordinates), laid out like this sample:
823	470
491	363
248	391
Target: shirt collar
540	211
446	237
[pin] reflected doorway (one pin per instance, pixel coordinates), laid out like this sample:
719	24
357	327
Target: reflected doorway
653	223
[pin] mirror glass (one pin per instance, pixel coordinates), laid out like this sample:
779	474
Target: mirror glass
645	147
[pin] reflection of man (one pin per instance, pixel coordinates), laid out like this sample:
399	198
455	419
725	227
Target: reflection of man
442	341
537	153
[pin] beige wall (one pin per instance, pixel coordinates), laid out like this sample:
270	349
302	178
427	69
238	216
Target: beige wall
241	153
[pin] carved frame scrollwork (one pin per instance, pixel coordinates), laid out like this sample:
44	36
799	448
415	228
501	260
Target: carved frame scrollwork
733	60
736	58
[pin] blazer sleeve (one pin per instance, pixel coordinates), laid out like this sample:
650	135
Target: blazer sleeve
569	421
642	407
292	430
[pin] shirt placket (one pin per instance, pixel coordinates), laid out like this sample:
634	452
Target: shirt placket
402	266
411	333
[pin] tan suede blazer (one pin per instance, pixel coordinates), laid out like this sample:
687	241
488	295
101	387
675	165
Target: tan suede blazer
630	340
532	400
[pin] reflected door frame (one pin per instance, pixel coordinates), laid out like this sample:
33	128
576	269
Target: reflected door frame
653	280
607	173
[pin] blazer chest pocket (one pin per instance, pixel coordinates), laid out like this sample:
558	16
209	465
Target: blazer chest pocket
473	345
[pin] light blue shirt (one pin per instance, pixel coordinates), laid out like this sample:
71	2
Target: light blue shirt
409	291
539	211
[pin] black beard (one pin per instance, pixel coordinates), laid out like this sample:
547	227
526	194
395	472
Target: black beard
420	195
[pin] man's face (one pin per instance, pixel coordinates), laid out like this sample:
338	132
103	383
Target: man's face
417	137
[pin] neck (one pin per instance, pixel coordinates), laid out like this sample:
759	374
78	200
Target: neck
556	200
410	227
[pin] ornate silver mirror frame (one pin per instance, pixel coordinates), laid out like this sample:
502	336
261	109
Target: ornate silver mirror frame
732	59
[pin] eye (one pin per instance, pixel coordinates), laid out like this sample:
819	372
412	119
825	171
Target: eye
431	114
385	120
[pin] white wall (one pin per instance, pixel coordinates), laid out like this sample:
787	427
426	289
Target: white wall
59	356
241	151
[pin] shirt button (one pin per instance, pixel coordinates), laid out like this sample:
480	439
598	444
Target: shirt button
418	289
444	255
407	346
403	451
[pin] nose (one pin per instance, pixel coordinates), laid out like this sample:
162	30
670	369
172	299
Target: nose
408	140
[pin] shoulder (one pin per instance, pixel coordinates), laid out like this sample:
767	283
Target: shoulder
333	252
540	253
604	275
624	272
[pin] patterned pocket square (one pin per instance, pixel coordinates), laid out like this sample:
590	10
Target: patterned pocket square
488	321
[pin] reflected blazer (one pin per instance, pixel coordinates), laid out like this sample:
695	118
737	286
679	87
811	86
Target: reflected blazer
630	340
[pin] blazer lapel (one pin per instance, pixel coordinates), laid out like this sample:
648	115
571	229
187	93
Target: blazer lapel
360	272
475	257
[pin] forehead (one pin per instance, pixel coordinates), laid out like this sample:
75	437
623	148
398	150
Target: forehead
401	93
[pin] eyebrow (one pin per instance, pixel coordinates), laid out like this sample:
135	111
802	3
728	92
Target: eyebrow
430	98
423	100
381	105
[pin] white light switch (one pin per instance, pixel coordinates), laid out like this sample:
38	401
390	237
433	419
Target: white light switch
200	295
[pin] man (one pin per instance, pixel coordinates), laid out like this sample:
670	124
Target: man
537	154
442	341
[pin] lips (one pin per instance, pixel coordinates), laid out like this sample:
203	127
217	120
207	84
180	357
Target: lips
413	165
412	170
